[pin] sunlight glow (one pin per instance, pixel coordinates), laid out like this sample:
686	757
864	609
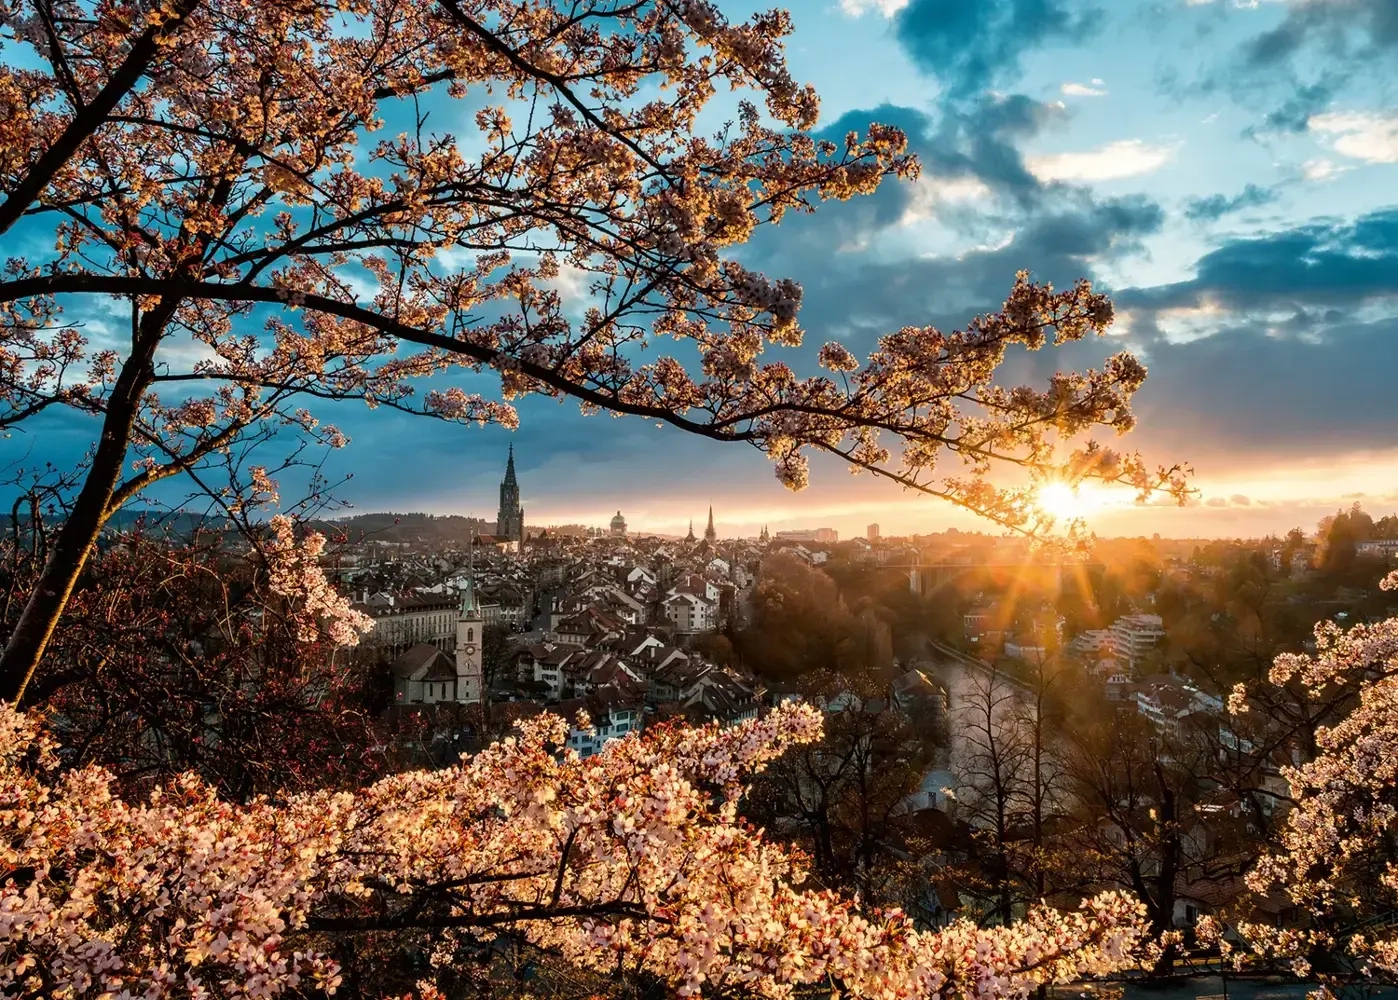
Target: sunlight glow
1066	503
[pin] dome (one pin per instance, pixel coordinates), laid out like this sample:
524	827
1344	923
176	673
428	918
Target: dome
618	521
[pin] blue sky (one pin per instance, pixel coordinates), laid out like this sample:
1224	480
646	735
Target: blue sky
1226	169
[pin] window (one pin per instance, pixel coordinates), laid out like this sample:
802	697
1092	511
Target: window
470	635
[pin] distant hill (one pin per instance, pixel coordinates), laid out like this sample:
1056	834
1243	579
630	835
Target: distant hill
381	526
413	527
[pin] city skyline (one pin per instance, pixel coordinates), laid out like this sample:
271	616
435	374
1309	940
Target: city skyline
550	504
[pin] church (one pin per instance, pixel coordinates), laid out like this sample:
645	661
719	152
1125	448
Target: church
509	522
425	675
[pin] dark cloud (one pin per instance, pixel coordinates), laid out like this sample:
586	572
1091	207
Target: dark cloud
1325	266
977	139
855	299
1216	206
981	139
1316	53
1337	28
1243	396
1294	114
1294	351
969	46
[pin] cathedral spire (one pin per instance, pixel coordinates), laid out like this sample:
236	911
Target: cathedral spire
509	522
709	533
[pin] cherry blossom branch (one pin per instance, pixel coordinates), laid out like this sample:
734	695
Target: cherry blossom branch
144	51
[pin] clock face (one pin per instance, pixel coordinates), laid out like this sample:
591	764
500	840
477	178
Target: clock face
469	649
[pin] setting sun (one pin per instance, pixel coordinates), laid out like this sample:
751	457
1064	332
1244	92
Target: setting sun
1064	502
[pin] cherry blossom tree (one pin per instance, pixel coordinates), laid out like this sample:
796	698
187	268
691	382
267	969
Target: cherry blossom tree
1336	857
178	654
206	172
635	858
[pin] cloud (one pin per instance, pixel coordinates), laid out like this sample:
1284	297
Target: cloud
1361	135
1336	27
1124	158
969	46
858	8
1063	238
930	193
1216	206
1279	347
1320	265
1321	170
1084	90
1301	62
970	159
1244	398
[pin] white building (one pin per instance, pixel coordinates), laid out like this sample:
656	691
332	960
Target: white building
611	720
423	675
1383	548
405	620
690	613
1133	636
1094	640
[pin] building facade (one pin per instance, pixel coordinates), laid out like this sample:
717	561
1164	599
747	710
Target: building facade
403	620
826	536
690	613
1134	636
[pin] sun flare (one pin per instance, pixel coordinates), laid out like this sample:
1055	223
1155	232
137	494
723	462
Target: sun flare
1065	503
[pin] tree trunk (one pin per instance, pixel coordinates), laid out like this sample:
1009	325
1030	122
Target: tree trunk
78	535
1171	850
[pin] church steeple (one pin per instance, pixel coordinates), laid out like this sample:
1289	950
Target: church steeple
469	609
690	537
710	535
470	641
509	522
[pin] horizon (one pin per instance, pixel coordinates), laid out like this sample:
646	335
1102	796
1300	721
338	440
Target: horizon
983	531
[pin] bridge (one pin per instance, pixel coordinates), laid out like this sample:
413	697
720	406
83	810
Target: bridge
925	578
945	656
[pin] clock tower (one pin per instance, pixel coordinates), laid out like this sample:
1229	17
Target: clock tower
470	640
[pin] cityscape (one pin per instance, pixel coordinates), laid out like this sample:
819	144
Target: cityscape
646	499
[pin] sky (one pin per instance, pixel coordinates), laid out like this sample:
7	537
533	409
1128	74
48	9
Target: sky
1224	168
